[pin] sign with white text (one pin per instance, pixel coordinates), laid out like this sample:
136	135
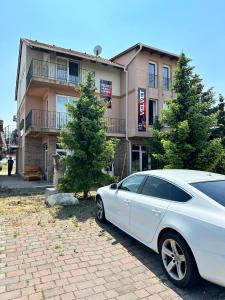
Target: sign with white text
106	91
141	109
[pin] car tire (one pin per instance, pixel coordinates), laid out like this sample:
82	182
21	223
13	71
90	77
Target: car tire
100	211
177	260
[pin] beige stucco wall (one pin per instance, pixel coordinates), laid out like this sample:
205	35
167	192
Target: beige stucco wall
22	76
138	78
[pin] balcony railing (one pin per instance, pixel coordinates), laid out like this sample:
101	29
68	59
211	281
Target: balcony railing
52	71
152	80
47	120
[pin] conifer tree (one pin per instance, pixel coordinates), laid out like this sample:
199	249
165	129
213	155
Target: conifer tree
187	143
85	137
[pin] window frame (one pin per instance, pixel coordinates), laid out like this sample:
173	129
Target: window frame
156	110
169	77
155	75
168	181
139	188
68	60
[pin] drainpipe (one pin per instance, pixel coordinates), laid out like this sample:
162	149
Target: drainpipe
126	111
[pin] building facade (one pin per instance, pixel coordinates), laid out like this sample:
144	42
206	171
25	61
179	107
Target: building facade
135	84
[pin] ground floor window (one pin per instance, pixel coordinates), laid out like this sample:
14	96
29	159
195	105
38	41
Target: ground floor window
140	159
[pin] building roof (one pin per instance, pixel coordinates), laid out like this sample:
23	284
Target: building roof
184	175
65	51
149	48
84	55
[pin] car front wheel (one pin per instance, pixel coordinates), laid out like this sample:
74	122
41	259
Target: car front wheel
100	212
177	260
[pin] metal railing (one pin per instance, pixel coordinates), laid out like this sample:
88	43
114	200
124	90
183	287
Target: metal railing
44	120
116	125
153	80
53	71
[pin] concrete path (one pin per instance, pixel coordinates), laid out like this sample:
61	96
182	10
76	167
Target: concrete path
16	182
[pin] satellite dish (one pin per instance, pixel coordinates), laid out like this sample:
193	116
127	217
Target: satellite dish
97	50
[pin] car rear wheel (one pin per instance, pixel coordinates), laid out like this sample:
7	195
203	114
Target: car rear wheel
177	260
100	212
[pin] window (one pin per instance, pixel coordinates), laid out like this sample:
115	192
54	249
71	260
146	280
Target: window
152	73
152	111
67	70
140	158
132	184
73	72
166	77
61	110
213	189
156	187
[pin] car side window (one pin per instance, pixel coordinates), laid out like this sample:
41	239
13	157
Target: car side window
160	188
132	183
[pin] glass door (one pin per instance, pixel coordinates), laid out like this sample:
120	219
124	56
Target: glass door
62	69
73	72
140	160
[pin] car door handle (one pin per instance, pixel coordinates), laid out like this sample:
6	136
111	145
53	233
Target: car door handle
127	201
156	211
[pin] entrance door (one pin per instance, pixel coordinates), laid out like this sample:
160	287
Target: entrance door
46	161
140	158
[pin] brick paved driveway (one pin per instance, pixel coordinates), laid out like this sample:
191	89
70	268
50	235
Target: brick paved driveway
64	254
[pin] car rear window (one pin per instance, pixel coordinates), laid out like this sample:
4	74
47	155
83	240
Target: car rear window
213	189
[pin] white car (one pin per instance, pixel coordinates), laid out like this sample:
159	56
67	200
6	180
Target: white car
180	214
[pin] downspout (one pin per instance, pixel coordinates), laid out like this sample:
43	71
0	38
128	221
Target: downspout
126	101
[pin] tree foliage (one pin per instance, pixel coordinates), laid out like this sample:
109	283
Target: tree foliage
85	137
187	139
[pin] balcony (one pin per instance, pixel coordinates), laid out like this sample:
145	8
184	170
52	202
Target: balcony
52	121
44	70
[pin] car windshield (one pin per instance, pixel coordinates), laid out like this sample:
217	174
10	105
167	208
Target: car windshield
213	189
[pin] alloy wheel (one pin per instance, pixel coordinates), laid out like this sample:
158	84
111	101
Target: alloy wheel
100	209
174	259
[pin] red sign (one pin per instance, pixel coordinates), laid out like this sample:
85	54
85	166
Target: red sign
141	109
106	91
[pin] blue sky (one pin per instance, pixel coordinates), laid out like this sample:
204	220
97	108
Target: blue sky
195	26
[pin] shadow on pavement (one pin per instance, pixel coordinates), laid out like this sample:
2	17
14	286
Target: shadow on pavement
203	290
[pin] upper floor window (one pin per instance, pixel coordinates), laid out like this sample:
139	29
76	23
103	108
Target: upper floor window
166	77
67	70
152	74
62	117
152	111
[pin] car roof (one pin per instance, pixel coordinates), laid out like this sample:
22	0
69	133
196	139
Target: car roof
184	175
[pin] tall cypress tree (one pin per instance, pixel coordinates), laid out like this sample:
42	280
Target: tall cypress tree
186	143
85	137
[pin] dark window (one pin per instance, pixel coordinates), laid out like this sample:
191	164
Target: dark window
160	188
166	78
213	189
73	71
132	184
152	111
152	75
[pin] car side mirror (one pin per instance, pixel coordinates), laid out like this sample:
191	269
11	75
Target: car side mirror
113	186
